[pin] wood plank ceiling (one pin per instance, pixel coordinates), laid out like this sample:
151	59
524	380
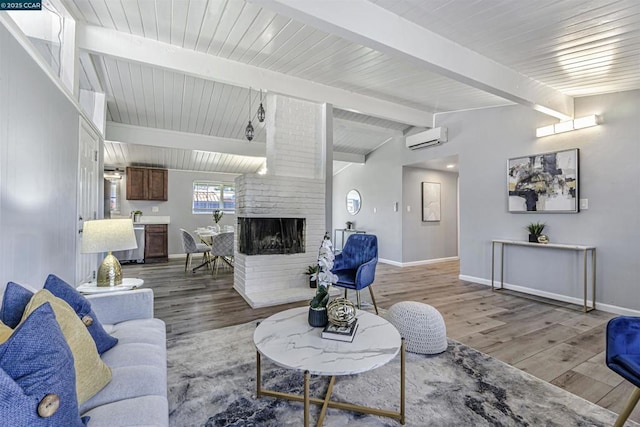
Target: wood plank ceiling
577	48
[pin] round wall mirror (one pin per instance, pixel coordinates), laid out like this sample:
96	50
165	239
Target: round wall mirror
353	202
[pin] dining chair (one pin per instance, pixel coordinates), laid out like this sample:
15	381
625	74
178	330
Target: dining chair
222	250
190	246
355	266
623	357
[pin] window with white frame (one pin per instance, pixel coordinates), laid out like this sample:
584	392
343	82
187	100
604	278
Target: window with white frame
209	196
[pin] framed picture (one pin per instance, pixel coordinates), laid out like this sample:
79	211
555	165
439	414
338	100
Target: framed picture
545	183
430	201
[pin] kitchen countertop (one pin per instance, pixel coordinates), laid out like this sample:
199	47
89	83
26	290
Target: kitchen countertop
150	219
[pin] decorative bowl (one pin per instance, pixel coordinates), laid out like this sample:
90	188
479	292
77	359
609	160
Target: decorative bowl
341	312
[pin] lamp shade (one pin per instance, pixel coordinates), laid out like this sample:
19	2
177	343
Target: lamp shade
104	235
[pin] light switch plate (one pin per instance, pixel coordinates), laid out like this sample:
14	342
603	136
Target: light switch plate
408	208
584	204
155	209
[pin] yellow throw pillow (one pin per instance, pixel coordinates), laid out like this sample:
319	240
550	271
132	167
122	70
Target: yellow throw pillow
5	332
92	374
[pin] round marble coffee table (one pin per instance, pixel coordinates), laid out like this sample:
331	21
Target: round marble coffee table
287	340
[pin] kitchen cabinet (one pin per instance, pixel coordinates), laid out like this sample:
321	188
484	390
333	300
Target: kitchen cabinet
147	184
155	243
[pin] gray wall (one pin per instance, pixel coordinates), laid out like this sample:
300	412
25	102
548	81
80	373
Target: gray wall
178	205
38	172
429	240
609	178
483	140
379	182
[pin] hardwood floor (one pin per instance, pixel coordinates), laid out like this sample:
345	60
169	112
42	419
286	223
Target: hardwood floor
551	341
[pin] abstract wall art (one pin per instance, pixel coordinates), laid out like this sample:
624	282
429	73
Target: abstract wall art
430	201
545	183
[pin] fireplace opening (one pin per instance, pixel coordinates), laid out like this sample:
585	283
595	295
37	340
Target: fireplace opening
270	236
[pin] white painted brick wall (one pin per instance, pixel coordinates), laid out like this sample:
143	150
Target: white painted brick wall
294	187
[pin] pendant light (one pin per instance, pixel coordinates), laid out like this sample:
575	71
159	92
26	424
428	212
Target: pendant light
248	132
261	112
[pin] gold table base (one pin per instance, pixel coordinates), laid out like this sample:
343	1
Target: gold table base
327	402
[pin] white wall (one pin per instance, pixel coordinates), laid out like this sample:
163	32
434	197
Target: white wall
38	172
379	182
178	206
423	241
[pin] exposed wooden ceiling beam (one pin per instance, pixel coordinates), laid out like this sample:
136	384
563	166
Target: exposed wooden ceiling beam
116	44
363	22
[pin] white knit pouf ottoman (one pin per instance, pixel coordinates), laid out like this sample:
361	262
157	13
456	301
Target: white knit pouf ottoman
421	325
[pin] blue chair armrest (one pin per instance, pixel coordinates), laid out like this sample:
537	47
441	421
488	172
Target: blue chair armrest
366	273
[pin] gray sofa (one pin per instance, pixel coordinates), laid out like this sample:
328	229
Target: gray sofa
137	393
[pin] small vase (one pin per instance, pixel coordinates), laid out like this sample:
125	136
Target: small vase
216	227
313	283
318	317
533	238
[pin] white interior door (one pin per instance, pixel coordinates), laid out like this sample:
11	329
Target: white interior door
89	181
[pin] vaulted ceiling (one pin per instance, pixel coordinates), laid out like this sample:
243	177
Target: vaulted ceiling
385	65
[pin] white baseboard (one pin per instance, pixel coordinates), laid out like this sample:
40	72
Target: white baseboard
414	263
599	306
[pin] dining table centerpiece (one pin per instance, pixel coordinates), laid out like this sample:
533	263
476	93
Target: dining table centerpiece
217	216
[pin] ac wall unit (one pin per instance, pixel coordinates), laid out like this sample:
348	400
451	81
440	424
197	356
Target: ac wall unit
428	138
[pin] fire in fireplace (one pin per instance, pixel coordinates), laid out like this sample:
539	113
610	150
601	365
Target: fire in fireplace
270	236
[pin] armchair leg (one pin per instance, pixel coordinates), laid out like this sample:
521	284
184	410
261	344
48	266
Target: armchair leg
373	298
187	262
345	293
631	403
358	299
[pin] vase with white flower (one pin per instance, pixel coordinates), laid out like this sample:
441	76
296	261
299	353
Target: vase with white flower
217	216
318	305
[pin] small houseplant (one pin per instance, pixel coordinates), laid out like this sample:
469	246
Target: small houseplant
312	272
535	230
318	305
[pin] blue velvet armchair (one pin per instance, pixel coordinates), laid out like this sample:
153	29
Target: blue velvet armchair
355	266
623	357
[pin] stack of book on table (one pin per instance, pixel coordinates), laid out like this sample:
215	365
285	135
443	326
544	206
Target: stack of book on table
340	333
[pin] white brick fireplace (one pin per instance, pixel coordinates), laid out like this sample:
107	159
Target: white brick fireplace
294	187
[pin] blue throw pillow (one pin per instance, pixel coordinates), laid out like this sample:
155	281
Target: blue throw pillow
36	364
82	307
14	301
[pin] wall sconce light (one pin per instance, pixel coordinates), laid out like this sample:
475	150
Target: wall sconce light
569	125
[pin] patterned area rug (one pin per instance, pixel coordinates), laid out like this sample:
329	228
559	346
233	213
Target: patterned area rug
212	382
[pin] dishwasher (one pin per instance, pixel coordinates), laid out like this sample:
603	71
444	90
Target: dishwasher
133	255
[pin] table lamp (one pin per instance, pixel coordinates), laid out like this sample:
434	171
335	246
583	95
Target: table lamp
106	235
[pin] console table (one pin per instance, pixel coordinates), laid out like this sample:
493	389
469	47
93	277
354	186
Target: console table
342	232
584	249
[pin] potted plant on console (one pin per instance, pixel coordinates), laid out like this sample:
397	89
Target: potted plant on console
318	305
312	272
535	231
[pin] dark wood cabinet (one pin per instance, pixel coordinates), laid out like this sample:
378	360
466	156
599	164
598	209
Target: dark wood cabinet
147	184
155	243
